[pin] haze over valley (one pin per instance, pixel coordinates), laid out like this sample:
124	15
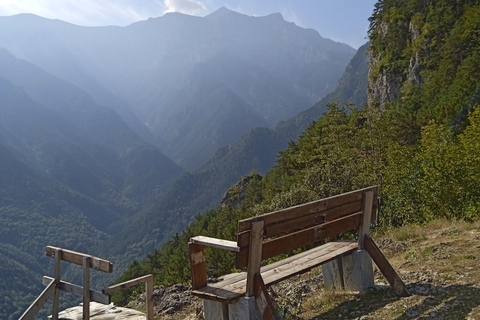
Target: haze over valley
113	138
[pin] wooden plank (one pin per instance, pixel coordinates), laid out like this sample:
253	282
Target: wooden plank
304	209
385	267
127	284
263	300
216	243
302	222
100	311
219	294
296	267
366	217
33	309
77	290
255	255
86	287
235	284
77	258
287	243
198	269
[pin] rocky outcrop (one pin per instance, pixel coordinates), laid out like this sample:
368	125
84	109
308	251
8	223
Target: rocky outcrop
236	194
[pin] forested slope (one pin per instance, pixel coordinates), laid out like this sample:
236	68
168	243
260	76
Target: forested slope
418	139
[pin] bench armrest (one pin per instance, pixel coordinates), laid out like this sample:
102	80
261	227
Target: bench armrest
215	243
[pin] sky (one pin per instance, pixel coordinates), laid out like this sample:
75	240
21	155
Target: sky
340	20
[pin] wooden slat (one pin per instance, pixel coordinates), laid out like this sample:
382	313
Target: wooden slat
255	255
218	294
235	285
96	296
303	222
304	209
33	309
298	266
198	269
216	243
385	267
300	239
77	258
127	284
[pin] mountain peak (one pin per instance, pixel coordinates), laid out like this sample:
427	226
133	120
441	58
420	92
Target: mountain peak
222	11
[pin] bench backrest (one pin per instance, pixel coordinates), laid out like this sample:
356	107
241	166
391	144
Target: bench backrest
295	227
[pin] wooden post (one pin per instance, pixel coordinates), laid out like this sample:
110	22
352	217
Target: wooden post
366	218
198	269
254	255
56	295
86	288
149	298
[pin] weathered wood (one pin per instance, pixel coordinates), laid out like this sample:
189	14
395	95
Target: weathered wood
215	310
57	273
287	243
385	267
100	311
77	290
77	258
286	230
149	297
216	243
86	287
366	217
263	300
255	255
304	209
198	269
46	294
127	284
302	222
234	286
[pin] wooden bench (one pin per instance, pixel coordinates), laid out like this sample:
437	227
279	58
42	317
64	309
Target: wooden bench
269	235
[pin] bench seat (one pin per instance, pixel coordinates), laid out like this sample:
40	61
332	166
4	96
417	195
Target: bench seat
233	286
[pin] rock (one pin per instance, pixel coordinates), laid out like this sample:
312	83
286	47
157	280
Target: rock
412	313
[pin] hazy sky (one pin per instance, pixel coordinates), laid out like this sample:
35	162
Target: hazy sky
340	20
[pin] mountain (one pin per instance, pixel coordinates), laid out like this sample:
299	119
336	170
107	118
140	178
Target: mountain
71	172
174	72
201	190
108	153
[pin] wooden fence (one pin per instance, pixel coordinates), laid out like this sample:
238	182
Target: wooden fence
55	285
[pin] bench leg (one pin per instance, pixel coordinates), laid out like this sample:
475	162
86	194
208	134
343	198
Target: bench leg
353	272
244	308
358	271
214	310
333	274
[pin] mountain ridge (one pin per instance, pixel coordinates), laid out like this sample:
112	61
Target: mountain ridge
274	67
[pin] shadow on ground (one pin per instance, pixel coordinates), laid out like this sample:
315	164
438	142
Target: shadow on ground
426	302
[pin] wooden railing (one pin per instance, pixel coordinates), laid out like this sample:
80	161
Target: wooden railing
55	285
148	280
